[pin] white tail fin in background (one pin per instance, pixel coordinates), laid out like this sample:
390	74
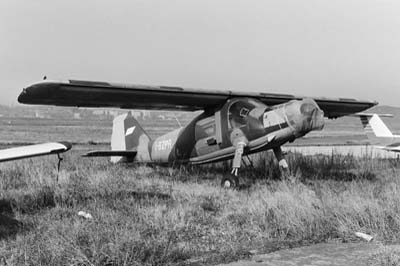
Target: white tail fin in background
376	130
374	125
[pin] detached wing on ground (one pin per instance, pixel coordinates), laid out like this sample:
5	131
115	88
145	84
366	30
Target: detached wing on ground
34	150
105	94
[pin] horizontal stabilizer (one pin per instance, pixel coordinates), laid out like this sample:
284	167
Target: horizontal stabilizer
129	154
33	150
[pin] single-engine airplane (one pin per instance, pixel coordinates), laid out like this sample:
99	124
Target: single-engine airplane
378	133
232	124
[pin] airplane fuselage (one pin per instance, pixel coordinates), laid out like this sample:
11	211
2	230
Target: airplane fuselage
212	135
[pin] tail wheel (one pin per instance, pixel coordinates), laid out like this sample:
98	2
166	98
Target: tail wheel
230	181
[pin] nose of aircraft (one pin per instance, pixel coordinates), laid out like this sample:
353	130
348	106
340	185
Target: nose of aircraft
313	116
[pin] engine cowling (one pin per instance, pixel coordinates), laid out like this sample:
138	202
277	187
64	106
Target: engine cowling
304	116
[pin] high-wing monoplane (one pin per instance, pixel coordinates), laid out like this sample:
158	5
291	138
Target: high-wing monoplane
378	133
232	124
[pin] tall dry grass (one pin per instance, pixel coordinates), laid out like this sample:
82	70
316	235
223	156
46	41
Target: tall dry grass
144	215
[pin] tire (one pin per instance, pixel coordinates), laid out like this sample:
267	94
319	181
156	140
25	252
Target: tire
230	182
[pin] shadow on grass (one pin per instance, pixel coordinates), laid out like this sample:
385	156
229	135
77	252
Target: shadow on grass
304	168
139	195
8	225
40	199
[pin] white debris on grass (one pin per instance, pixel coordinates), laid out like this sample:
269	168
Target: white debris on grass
364	236
85	215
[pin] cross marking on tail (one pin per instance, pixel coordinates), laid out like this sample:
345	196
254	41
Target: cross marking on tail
130	130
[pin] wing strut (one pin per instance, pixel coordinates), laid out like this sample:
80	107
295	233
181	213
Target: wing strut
249	162
60	159
59	162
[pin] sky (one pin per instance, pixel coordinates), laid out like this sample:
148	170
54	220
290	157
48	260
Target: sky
341	48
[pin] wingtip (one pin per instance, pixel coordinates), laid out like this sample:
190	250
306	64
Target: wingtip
67	145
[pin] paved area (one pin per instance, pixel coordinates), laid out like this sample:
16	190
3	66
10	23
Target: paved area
337	254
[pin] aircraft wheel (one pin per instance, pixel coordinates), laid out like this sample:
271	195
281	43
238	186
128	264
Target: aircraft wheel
231	181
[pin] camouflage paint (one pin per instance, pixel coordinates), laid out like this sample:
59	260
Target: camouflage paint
243	121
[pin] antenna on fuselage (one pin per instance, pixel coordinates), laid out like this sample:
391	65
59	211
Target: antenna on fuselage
177	120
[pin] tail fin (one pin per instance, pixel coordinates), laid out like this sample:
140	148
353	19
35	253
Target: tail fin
375	128
374	125
128	135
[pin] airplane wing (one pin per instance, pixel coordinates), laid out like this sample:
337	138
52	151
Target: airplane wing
34	150
395	147
105	94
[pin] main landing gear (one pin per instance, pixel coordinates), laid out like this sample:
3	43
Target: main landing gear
232	181
283	165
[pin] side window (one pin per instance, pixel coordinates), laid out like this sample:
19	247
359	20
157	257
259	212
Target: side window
272	118
205	127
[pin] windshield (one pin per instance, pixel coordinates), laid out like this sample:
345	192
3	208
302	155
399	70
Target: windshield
239	110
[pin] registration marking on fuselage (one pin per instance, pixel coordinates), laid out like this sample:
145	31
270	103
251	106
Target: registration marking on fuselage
163	145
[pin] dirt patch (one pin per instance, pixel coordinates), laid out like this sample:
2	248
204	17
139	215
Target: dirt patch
338	254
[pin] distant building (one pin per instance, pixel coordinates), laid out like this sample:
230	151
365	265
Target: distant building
38	114
137	114
145	114
100	112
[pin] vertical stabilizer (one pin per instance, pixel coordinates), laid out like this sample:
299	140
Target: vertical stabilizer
127	134
374	126
376	130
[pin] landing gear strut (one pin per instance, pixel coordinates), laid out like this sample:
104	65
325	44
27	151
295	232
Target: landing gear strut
237	159
283	165
232	181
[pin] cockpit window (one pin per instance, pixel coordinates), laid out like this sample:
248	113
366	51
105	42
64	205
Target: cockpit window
239	110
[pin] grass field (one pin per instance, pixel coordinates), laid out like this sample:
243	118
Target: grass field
145	215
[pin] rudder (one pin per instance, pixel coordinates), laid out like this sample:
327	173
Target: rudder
373	125
128	134
375	129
